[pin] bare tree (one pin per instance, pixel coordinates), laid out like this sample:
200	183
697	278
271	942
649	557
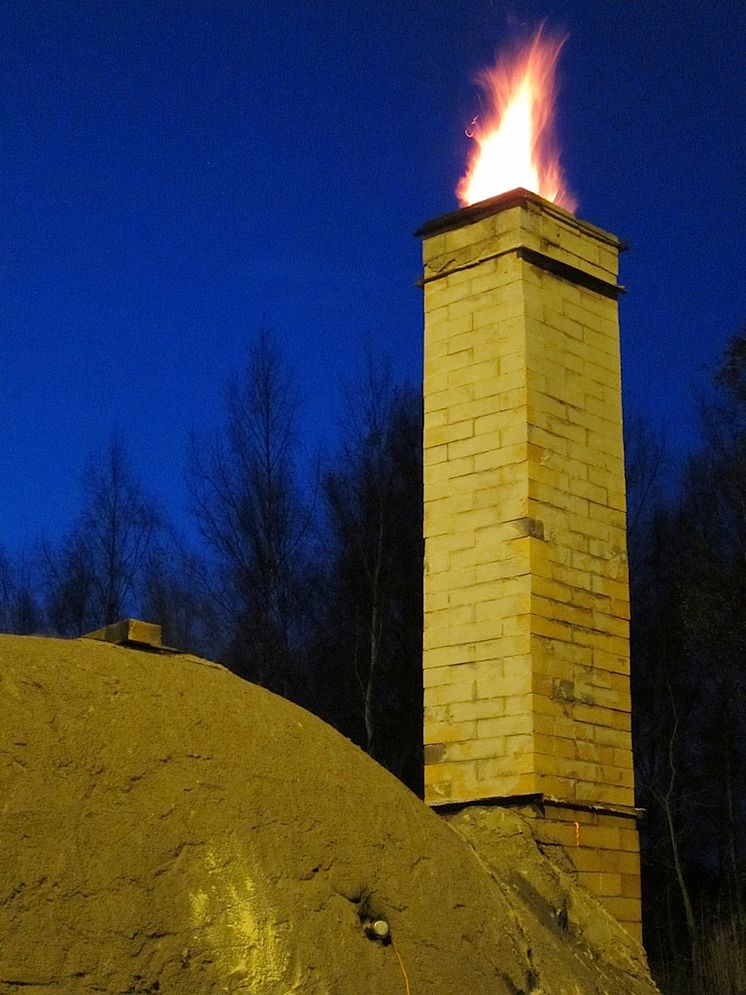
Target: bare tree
373	612
19	608
174	595
645	466
247	504
689	689
94	577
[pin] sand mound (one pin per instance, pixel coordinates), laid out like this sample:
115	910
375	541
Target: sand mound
167	827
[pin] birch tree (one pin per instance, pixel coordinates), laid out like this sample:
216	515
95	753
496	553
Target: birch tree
373	614
247	503
94	575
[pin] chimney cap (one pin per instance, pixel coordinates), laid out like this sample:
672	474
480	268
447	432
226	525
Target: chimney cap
511	198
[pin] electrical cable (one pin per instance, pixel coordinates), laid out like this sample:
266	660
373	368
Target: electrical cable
403	970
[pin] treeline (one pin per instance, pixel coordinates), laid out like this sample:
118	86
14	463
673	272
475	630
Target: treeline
309	581
688	579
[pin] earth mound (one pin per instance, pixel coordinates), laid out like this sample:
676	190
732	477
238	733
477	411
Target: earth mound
167	827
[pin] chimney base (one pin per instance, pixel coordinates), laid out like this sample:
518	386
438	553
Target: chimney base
597	847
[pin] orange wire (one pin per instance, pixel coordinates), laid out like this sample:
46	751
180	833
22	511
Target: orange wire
401	965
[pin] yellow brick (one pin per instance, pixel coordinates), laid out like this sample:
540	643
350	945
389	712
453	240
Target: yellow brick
517	760
435	454
629	841
461	635
631	886
454	691
448	732
481	443
472	373
434	419
447	782
550	629
491	721
475	749
626	910
602	885
506	607
545	441
596	602
436	600
449	363
436	400
480	342
561	611
619	700
491	727
588	526
519	704
489	715
493	385
557	787
613	861
556	319
599	837
594	640
433	676
597	716
628	863
449	579
455	615
442	656
511	783
619	738
495	495
449	505
585	859
445	292
454	467
471	408
515	567
469	556
601	794
554	745
442	434
579	770
474	594
504	685
623	758
595	752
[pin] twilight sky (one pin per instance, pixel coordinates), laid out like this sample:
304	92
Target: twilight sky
177	174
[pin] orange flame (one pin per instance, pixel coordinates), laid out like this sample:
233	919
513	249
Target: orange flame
515	142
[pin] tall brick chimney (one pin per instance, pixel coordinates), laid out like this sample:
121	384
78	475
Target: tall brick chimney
526	659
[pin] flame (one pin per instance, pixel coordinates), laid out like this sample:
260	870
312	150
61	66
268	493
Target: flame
515	145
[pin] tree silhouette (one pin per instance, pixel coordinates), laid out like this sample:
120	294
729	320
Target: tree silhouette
372	634
248	507
94	577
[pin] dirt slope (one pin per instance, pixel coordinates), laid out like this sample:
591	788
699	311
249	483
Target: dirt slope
167	827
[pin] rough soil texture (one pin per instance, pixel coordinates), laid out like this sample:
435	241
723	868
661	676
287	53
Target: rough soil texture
166	827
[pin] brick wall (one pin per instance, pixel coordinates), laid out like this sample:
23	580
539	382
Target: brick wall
526	660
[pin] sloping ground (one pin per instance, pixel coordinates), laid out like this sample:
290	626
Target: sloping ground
166	827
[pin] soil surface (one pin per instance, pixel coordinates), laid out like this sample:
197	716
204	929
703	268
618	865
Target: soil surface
167	827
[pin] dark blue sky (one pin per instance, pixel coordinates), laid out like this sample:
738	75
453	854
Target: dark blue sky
176	175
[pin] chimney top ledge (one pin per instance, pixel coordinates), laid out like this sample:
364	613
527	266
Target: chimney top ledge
502	202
